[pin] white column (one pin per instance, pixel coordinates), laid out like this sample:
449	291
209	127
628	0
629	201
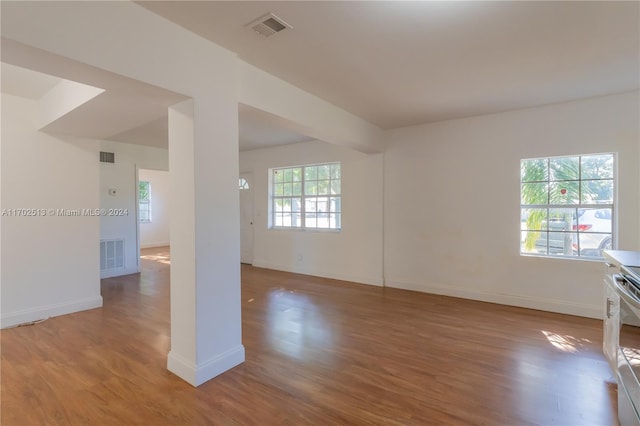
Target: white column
206	327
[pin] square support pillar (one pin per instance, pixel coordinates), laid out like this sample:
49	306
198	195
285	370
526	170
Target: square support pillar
206	321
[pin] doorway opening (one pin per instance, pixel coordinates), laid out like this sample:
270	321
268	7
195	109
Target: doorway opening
153	208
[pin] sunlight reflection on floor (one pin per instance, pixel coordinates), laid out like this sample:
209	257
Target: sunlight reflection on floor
157	258
565	343
633	356
296	324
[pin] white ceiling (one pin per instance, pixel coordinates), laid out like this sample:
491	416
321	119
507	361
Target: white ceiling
132	113
393	63
125	105
26	83
398	63
259	129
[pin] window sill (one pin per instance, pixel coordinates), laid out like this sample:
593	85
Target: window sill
578	258
320	230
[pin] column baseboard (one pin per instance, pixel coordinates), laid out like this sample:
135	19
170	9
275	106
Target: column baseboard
196	375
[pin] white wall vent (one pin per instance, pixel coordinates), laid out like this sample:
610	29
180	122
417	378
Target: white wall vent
111	254
268	25
107	157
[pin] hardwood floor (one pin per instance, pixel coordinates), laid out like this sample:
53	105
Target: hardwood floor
319	352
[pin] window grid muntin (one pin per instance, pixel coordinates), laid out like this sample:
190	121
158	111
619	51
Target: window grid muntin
302	202
569	206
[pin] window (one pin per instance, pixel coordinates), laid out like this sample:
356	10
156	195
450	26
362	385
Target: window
243	184
144	200
306	197
566	205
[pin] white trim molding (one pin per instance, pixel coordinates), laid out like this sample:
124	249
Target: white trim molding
198	374
375	281
43	312
542	304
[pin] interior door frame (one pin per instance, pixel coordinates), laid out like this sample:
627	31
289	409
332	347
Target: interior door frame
137	214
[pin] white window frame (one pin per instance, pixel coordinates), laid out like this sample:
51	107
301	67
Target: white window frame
146	202
572	206
334	199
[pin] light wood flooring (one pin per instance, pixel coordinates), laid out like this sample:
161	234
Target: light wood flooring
319	352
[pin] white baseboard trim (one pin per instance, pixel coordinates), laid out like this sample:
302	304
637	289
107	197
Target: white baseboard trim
376	281
542	304
152	245
110	273
43	312
196	375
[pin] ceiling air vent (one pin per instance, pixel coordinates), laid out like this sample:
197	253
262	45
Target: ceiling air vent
268	25
107	157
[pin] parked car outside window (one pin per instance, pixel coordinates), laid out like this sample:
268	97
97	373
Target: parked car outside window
588	234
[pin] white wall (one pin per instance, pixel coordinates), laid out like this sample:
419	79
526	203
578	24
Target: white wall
206	334
50	264
121	176
156	232
355	253
452	223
